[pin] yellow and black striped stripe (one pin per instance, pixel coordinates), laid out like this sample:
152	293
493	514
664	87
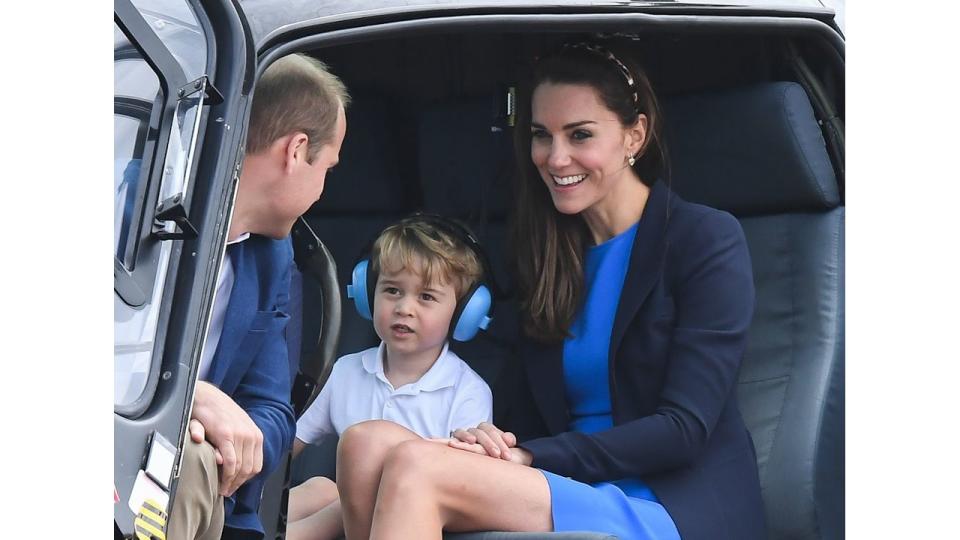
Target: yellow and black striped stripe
151	522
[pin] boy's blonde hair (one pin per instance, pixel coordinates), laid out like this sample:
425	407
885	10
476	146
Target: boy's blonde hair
296	93
417	245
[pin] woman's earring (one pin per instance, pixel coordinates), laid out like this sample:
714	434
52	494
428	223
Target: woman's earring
631	160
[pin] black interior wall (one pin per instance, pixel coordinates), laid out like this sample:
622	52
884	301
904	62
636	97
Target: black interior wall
422	70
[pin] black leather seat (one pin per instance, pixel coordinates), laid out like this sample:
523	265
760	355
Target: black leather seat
758	153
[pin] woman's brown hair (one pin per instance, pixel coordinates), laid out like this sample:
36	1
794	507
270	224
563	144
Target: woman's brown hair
550	245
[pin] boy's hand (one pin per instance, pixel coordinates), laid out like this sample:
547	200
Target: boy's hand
236	438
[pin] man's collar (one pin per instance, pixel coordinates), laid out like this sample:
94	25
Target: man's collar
238	239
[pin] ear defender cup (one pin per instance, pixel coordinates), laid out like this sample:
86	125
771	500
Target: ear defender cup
360	291
472	314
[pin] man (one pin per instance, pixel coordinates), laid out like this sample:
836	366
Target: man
242	421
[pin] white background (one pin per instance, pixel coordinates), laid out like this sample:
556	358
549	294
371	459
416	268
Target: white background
903	294
55	282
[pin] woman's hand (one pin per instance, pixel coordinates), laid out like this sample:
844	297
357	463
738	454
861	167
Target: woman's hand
487	439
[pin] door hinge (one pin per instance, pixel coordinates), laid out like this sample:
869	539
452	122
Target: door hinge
172	209
212	96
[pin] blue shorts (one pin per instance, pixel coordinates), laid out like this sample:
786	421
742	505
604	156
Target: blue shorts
605	508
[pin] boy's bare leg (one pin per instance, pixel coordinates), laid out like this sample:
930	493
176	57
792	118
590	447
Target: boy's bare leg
310	497
426	488
325	524
362	450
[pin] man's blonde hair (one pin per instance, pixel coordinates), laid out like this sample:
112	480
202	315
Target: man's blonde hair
296	93
417	245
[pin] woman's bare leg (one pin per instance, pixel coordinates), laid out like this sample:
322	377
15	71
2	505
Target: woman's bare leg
426	488
362	450
310	497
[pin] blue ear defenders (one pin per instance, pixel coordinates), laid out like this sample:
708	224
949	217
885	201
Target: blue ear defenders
472	313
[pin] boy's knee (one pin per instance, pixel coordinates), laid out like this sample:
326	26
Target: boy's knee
320	487
411	458
367	437
369	429
410	467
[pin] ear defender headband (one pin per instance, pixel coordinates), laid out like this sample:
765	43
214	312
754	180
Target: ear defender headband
472	313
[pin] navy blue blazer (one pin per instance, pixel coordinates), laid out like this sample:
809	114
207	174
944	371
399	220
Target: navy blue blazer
251	363
677	342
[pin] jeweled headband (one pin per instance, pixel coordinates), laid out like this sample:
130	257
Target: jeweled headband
597	49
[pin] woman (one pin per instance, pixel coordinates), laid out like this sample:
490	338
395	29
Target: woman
636	306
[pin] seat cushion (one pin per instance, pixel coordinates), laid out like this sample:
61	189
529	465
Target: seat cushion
791	382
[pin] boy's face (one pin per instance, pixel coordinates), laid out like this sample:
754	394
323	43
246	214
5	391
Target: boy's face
410	316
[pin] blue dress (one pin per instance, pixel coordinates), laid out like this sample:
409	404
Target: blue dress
626	508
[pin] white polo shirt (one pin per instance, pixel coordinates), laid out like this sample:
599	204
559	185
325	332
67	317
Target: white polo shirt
449	396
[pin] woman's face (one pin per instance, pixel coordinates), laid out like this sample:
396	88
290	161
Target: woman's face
580	147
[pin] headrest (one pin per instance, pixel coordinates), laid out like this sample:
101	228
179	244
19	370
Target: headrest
753	150
368	177
466	160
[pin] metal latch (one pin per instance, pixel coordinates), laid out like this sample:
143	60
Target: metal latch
172	210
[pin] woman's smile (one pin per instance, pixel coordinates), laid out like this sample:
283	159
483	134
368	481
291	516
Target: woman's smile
570	180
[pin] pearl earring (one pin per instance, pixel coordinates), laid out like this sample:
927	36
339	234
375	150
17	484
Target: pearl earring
631	160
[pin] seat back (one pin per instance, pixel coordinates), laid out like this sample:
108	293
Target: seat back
758	153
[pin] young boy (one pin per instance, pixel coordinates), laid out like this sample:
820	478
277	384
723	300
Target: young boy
412	378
